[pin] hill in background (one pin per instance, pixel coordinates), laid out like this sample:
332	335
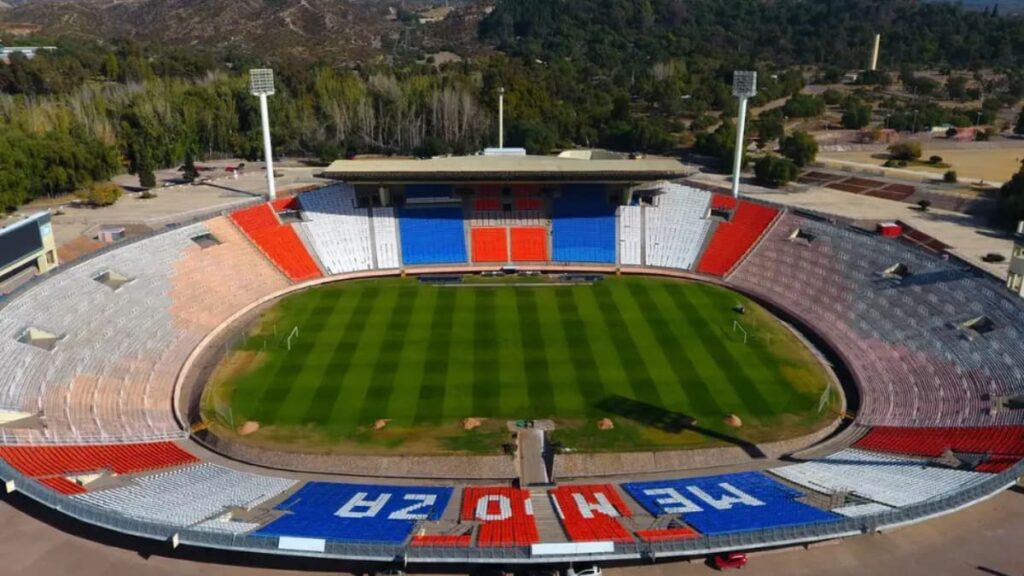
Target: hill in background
303	29
1005	6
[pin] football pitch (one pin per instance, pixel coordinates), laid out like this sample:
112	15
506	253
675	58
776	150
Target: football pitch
659	357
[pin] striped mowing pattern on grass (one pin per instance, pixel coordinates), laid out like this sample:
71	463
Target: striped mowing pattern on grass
635	348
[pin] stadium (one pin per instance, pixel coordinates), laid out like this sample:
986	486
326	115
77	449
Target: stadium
191	388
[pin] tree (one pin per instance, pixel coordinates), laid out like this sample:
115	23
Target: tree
832	97
100	194
147	179
770	127
1019	129
956	86
857	115
1011	199
801	148
774	171
950	177
720	144
924	204
905	151
189	171
804	106
874	78
110	68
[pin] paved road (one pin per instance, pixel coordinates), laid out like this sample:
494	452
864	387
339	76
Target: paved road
984	539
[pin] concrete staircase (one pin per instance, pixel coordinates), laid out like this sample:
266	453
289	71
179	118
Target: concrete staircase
548	525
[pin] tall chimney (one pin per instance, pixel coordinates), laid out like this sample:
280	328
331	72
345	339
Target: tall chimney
874	52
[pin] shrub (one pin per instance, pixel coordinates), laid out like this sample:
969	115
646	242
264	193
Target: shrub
935	159
950	177
146	195
905	151
100	194
901	163
924	205
993	257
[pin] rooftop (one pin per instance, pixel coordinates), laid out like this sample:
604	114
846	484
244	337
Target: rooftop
507	168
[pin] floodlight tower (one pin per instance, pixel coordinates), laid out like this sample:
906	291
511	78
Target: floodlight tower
874	51
744	86
501	117
261	83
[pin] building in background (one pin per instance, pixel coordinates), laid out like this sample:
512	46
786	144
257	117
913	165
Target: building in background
27	51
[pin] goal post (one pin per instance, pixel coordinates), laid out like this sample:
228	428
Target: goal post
826	396
737	326
293	334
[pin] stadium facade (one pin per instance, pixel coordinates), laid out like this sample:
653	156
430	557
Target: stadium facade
1015	277
27	247
97	423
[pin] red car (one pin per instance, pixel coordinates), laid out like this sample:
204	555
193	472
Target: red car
729	560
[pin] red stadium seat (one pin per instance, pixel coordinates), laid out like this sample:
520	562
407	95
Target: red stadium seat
667	534
490	244
528	203
505	516
278	242
39	461
1004	444
487	204
62	485
285	204
590	513
723	202
530	244
448	540
733	239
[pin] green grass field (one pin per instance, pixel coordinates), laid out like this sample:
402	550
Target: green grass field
651	354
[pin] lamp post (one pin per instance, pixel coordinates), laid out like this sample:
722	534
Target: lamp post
261	84
744	86
501	117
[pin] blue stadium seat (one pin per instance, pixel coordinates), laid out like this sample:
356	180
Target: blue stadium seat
433	235
357	512
727	503
583	225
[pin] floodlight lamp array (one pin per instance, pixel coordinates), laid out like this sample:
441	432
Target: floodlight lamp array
744	83
261	81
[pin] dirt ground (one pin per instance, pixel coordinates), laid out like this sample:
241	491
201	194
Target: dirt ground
997	164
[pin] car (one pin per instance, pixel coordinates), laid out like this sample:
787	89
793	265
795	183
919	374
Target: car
592	571
729	560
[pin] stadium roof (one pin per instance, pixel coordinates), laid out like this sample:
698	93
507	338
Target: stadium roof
507	168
